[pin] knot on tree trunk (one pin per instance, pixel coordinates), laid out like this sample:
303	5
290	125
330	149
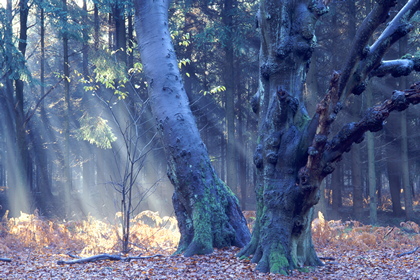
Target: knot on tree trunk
400	101
375	118
304	176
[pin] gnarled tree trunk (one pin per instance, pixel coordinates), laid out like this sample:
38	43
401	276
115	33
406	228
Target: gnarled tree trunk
282	236
207	211
295	152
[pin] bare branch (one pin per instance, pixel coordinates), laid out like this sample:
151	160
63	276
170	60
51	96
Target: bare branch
397	68
373	121
375	18
31	113
363	60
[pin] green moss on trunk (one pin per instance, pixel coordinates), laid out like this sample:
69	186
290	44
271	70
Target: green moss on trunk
278	262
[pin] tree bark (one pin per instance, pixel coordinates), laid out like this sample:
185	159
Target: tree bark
294	152
230	83
356	178
337	184
66	169
282	238
408	195
207	211
373	198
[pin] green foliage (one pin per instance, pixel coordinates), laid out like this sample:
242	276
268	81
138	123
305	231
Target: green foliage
183	39
96	131
214	90
67	21
109	73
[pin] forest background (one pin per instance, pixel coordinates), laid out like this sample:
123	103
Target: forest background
77	134
78	140
73	98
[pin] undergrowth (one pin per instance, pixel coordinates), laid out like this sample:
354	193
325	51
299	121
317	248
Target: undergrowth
151	234
353	234
90	236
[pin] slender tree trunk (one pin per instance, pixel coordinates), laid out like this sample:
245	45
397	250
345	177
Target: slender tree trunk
66	145
230	83
356	168
408	195
336	187
207	211
96	27
85	48
393	163
19	98
373	198
130	41
120	43
356	176
15	90
11	161
394	177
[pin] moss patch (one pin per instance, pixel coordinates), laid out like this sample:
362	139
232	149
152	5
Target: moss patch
278	263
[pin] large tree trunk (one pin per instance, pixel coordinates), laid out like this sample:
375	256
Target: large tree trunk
282	235
295	153
207	211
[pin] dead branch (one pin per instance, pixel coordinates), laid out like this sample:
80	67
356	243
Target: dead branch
363	60
327	258
408	253
107	257
388	232
5	259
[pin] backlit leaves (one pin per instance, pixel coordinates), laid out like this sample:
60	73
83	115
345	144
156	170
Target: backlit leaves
96	131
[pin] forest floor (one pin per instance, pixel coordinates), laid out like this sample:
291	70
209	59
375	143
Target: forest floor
350	250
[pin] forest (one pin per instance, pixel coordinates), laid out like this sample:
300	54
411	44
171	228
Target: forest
209	139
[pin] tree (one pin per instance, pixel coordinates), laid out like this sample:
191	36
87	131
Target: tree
208	212
295	152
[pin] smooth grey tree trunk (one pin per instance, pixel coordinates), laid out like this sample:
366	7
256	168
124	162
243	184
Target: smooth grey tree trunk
207	211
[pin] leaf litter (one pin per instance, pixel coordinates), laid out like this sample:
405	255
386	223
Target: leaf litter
349	250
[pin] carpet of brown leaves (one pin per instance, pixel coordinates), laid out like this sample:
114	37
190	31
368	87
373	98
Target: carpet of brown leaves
350	251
